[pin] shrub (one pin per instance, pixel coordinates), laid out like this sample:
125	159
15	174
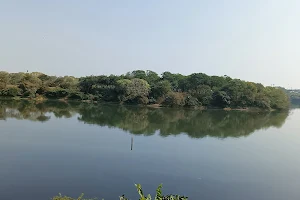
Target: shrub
75	95
152	100
10	92
56	93
221	99
174	99
29	93
41	90
143	100
203	93
192	101
160	100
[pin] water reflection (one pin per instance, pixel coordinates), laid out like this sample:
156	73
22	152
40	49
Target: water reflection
148	121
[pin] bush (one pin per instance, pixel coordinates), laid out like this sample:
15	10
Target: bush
10	92
56	93
29	93
174	99
160	100
203	93
221	99
143	100
41	90
192	101
152	100
75	95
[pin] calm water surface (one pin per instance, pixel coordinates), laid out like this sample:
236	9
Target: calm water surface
50	148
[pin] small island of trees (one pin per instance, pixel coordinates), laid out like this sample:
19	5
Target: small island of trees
146	87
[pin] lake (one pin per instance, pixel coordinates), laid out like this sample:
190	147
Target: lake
69	148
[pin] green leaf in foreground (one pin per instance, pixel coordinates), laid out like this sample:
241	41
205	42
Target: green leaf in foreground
158	196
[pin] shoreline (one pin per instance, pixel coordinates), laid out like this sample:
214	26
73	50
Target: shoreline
41	99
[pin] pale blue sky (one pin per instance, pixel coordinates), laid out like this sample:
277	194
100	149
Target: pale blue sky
255	40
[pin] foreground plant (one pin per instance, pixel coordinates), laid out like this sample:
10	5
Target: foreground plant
158	196
60	197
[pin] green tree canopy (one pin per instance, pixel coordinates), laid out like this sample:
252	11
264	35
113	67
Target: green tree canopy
133	90
147	87
4	79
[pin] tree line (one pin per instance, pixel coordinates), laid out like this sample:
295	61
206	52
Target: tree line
147	87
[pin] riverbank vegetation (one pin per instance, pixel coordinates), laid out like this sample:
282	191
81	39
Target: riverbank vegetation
146	87
158	196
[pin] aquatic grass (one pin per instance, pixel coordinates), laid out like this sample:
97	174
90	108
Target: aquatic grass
158	195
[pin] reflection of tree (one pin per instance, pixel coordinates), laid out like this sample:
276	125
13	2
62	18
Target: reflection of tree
195	123
22	110
33	111
147	121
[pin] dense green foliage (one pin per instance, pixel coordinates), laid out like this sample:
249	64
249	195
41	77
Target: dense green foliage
147	87
158	195
148	121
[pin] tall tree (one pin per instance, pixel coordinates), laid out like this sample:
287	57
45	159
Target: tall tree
4	79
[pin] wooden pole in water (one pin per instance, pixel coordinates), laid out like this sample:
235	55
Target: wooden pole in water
131	143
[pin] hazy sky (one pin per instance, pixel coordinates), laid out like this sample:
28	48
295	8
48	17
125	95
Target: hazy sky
255	40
